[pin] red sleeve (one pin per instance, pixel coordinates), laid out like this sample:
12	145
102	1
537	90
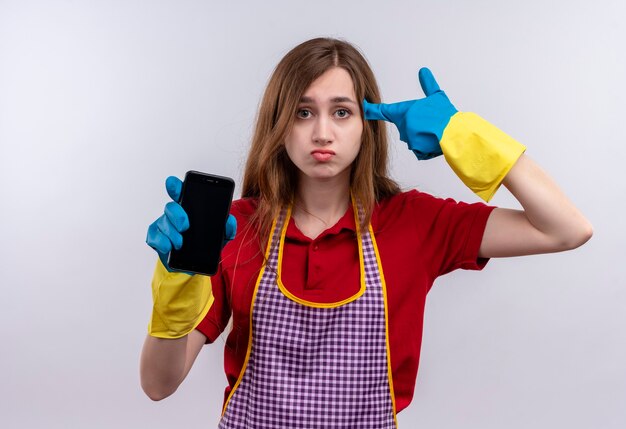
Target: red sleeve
443	234
217	318
456	232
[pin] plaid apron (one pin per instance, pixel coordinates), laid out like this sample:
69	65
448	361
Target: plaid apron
315	365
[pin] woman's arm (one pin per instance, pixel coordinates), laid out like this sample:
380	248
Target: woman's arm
548	223
166	362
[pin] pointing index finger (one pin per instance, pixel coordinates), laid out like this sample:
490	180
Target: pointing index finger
393	112
428	82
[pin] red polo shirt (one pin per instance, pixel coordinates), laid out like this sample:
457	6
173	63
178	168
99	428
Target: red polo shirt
419	238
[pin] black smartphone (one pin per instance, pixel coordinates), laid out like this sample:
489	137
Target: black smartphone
206	199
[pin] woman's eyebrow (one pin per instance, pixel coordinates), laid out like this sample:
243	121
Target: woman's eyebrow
339	99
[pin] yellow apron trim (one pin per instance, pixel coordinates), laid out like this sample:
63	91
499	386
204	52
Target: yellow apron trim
384	286
314	304
256	288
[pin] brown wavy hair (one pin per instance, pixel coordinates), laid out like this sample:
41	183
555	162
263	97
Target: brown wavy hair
270	176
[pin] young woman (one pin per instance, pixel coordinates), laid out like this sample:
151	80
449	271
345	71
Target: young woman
326	279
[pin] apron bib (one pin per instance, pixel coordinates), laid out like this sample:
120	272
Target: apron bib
312	365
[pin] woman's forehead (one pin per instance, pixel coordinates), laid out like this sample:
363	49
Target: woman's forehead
333	85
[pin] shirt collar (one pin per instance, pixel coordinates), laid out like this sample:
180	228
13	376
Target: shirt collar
346	222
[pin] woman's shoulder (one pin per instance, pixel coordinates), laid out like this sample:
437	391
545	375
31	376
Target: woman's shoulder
244	207
409	197
245	245
414	204
418	198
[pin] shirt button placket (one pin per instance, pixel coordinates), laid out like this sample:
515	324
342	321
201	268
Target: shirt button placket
314	267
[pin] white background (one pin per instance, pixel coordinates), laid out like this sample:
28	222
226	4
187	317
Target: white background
101	100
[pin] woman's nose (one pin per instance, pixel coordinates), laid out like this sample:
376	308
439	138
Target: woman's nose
322	132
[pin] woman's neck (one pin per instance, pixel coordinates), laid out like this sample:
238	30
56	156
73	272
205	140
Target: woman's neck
319	204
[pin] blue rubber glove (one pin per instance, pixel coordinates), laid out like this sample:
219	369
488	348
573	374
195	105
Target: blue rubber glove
420	122
165	233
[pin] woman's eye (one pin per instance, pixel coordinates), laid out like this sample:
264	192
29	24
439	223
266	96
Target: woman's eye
342	113
303	114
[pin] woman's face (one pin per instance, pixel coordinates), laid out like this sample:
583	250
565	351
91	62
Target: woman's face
326	134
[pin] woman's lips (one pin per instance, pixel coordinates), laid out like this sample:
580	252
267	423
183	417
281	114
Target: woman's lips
322	155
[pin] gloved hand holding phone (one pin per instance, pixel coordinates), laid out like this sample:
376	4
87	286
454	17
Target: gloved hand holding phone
165	233
180	299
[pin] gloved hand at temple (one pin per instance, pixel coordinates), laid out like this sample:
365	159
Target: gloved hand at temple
478	152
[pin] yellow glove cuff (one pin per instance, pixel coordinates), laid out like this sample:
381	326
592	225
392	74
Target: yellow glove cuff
180	302
479	153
